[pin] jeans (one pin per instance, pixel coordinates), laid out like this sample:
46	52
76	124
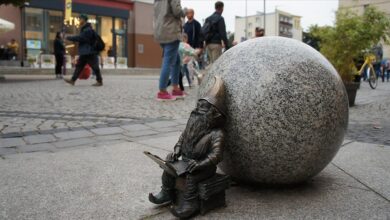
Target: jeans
170	64
93	61
185	72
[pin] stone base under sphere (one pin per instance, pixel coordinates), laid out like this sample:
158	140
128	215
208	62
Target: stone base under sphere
287	110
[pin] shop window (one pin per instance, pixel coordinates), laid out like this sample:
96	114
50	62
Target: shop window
105	30
34	19
34	31
120	31
55	25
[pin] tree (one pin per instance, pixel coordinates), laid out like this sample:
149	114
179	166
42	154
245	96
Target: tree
351	36
312	36
13	2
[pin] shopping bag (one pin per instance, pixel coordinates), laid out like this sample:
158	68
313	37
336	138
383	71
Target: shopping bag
86	72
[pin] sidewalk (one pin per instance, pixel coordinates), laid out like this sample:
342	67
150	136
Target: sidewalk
112	181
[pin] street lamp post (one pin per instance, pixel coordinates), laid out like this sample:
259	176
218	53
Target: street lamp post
246	19
264	17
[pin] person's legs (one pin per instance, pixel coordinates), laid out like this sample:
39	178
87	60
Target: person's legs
94	63
59	64
168	66
82	61
181	81
186	73
215	51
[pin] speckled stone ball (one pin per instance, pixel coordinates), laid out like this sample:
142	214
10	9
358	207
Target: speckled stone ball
287	110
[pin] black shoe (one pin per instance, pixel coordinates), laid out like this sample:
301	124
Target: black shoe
69	81
163	196
98	84
188	209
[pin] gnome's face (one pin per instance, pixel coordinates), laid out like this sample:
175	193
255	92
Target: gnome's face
202	106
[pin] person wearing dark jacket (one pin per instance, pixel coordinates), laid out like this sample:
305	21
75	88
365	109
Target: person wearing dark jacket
214	44
59	53
87	52
192	28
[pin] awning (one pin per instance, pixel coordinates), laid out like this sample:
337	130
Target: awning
6	26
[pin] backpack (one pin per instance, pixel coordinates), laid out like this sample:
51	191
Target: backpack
209	28
99	44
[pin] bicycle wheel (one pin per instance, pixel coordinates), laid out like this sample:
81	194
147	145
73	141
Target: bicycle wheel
372	79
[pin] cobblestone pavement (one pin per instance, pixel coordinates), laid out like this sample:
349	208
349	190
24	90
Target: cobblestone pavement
48	115
369	120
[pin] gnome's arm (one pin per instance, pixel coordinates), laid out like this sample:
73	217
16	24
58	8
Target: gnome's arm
216	152
177	148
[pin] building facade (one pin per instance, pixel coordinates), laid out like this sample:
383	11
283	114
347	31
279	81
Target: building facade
359	6
125	26
278	23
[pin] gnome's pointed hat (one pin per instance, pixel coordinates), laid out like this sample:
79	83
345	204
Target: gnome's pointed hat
216	96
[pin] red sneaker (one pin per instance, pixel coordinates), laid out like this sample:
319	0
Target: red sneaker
178	94
165	96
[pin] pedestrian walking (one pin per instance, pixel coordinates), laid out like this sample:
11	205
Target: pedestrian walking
214	33
192	28
88	53
187	53
59	53
168	16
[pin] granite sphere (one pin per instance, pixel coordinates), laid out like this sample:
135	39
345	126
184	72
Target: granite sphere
287	110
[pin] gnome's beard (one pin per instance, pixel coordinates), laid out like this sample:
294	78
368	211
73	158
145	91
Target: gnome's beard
197	127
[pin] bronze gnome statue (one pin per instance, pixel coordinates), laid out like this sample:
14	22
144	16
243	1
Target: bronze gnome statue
200	147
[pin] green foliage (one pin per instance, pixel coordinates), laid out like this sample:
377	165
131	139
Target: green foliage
13	2
351	35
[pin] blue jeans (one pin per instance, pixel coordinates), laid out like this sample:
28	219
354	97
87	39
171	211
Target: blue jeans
185	72
170	64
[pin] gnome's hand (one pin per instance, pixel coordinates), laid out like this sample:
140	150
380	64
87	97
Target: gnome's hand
172	157
193	165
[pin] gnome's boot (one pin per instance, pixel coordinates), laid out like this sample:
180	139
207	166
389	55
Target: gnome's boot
190	204
167	190
165	195
187	209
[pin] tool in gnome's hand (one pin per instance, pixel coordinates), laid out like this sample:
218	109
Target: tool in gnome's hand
177	168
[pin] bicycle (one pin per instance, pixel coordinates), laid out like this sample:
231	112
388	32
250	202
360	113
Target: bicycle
370	72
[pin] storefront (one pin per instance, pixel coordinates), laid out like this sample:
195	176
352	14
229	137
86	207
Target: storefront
126	26
44	18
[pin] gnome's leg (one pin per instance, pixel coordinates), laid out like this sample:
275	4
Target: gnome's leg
168	181
192	181
167	189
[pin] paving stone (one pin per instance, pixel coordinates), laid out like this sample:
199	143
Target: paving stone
73	134
74	142
41	138
140	133
182	121
7	150
106	131
36	148
111	137
168	129
135	127
11	142
162	124
13	134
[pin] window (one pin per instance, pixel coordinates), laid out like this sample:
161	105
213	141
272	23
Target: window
55	25
105	29
120	31
34	19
